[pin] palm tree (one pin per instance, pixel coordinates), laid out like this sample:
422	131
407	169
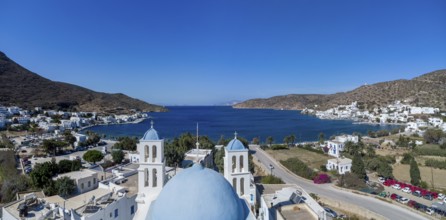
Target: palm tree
269	140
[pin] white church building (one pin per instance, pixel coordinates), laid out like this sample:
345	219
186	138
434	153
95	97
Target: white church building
196	192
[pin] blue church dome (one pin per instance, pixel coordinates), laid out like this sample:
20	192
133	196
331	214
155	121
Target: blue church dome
151	134
235	145
197	193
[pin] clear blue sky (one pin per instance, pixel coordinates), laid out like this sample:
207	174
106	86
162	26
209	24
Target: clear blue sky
208	52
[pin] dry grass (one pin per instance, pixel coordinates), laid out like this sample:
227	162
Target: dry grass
312	159
401	172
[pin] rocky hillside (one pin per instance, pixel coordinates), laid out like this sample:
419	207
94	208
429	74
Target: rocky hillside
426	90
21	87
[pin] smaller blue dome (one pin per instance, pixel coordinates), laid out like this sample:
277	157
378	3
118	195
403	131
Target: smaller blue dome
235	145
150	135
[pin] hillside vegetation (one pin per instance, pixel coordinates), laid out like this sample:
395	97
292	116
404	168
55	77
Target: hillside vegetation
23	88
426	90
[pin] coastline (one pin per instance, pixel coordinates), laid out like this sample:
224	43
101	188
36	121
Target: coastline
137	121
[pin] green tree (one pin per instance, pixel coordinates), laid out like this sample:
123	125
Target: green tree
218	159
126	143
11	186
415	176
370	152
65	186
255	141
69	138
433	135
66	166
292	138
222	141
117	156
94	139
174	153
93	156
269	140
286	140
42	173
321	137
358	167
385	170
52	146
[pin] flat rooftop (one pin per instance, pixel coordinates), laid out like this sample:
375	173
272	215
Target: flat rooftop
84	173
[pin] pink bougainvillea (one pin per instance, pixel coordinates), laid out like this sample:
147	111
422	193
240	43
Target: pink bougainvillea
321	178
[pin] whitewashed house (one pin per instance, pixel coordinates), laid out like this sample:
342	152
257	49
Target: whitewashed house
436	122
80	138
342	165
85	180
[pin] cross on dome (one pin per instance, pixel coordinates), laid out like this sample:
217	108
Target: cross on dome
151	123
235	135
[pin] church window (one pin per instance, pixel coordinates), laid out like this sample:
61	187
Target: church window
234	184
153	153
242	186
154	178
233	163
241	163
146	177
146	153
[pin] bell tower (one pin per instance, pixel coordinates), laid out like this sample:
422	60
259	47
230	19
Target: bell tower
151	171
236	166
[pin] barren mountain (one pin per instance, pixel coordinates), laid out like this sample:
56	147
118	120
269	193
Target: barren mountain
23	88
426	90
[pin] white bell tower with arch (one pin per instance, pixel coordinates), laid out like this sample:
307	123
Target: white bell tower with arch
151	171
236	167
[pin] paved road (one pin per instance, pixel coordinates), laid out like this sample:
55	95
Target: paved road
385	209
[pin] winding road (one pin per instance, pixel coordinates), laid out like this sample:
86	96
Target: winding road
385	209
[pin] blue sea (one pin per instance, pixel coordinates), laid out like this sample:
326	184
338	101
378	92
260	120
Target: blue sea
215	121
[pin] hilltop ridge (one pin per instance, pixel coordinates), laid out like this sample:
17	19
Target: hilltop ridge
23	88
426	90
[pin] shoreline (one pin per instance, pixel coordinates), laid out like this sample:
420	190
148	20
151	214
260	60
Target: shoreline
137	121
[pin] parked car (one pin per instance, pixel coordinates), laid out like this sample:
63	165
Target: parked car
430	211
381	179
407	190
383	194
403	200
330	212
428	197
412	204
396	186
395	196
440	196
444	200
416	193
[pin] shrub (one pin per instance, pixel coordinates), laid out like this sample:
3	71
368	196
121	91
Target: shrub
299	168
270	179
323	168
309	147
350	180
407	157
107	164
441	164
321	179
430	151
279	147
